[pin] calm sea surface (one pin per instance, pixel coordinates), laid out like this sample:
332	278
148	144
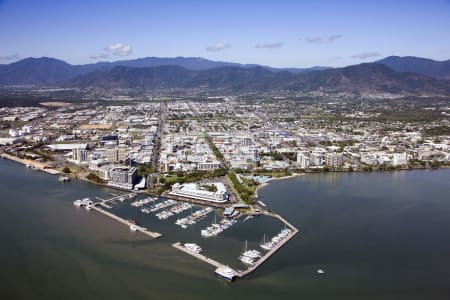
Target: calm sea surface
376	235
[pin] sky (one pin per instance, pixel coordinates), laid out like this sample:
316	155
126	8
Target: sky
275	33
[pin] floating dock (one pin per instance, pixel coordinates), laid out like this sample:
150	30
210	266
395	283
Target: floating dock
141	229
202	257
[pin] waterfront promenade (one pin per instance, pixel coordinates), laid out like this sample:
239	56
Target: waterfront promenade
28	162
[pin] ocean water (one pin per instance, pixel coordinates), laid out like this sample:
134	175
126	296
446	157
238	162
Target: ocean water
376	235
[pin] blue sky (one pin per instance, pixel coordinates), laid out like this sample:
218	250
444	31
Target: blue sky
276	33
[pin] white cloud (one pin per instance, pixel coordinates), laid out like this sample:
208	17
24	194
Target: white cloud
10	57
99	56
323	39
366	55
217	47
119	49
272	45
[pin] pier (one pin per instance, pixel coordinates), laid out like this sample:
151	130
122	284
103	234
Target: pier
271	252
141	229
259	262
199	256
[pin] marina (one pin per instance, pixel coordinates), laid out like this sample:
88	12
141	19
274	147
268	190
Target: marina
252	258
88	204
196	279
133	227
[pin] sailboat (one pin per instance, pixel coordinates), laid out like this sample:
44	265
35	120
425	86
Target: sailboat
244	258
266	245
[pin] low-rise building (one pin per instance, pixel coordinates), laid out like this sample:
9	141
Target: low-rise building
193	191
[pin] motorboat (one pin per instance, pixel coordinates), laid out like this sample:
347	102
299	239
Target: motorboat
226	273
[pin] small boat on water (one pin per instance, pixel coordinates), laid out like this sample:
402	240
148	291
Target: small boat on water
226	273
246	260
64	179
133	227
320	271
248	217
266	245
83	202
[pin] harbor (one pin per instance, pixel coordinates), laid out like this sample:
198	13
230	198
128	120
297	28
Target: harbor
90	205
253	265
252	259
199	256
132	225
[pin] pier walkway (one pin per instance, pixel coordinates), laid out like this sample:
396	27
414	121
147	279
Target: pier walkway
141	229
202	257
259	262
266	256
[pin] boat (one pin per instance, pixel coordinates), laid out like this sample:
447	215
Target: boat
226	273
133	227
88	207
193	247
64	178
248	217
266	245
246	260
85	202
320	271
205	233
252	254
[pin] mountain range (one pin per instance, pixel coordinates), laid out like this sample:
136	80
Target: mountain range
396	75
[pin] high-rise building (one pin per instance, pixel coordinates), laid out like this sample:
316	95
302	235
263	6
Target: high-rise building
303	160
316	159
246	141
80	155
334	159
123	177
116	154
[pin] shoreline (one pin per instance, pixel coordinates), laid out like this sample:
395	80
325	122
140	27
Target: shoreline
27	162
275	179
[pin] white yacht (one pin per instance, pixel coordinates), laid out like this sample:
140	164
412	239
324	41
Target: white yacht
246	260
226	272
193	247
252	254
205	233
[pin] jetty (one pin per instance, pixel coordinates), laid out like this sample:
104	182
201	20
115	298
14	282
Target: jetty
272	251
199	256
141	229
104	202
259	262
